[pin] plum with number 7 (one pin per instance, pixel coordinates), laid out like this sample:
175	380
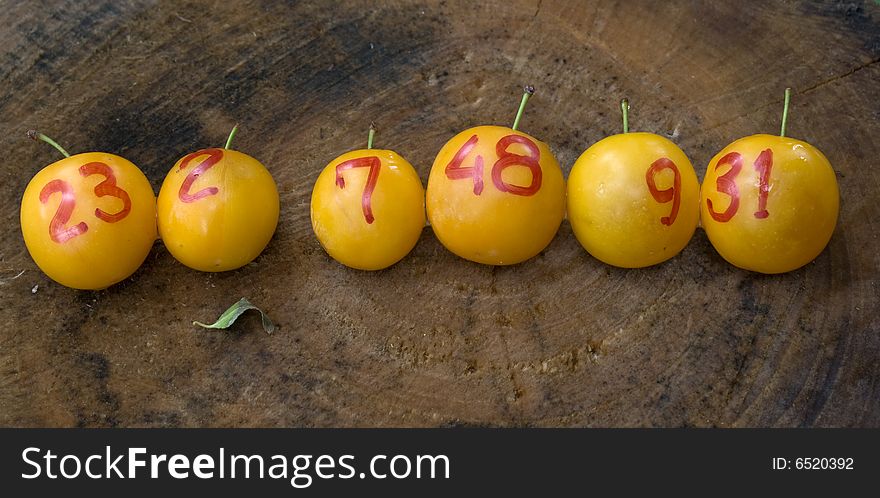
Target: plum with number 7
368	208
88	220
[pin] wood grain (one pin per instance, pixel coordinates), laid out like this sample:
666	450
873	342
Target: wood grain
561	340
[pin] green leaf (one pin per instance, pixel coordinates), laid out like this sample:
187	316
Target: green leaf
229	316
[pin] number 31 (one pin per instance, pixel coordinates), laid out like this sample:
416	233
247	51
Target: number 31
726	184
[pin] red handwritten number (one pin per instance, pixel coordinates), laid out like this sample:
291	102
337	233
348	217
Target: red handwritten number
454	171
107	187
726	184
672	193
57	231
507	159
763	165
374	164
214	156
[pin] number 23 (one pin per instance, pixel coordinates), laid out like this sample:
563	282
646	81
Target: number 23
60	233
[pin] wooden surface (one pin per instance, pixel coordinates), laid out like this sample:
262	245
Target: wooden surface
561	340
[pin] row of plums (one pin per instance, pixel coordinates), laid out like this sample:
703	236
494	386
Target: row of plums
495	196
89	220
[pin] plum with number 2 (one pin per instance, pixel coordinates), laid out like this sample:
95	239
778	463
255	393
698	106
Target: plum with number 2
218	209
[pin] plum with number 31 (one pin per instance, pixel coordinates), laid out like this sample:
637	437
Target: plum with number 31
495	194
217	209
770	203
88	220
633	198
368	208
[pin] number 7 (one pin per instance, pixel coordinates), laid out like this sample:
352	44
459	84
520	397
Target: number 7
375	165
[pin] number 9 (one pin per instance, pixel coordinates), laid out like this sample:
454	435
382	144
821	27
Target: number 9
672	193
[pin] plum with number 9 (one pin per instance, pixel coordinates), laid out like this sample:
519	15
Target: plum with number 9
496	195
633	199
88	220
217	209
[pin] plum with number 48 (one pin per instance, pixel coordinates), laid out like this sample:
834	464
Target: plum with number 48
496	195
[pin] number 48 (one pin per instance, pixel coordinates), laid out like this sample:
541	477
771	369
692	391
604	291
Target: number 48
506	159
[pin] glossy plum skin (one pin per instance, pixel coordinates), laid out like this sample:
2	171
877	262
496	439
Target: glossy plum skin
773	224
489	205
89	220
217	209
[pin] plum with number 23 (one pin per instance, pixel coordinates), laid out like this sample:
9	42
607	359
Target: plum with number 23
88	220
496	195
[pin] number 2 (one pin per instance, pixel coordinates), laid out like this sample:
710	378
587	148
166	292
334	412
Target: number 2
57	230
214	156
374	164
672	193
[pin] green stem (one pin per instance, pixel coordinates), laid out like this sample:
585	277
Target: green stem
528	91
624	108
371	135
35	135
231	136
785	111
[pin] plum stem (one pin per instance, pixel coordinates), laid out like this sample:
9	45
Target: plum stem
35	135
371	135
231	136
785	112
528	91
624	109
